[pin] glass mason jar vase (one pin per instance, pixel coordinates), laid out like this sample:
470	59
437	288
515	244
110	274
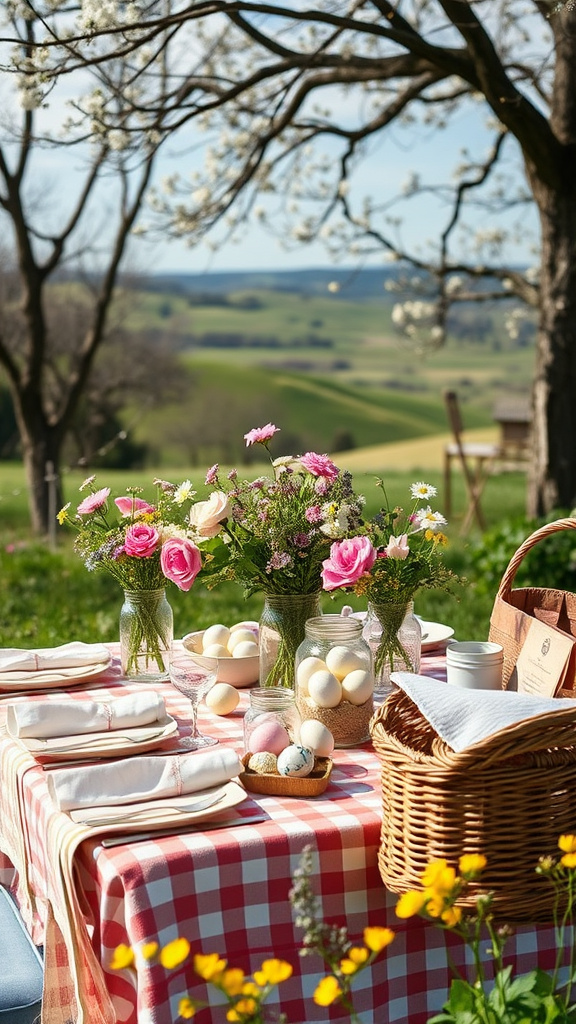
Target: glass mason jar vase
146	634
335	679
395	638
281	631
275	705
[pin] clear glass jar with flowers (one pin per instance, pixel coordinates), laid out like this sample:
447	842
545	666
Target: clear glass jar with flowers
145	548
393	556
272	534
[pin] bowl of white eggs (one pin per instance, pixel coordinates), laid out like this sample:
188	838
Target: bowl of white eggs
234	647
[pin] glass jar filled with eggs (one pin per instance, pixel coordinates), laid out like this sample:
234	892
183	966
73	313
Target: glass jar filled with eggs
271	724
335	678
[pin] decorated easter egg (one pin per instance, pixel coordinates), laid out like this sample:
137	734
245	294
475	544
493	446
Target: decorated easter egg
315	736
245	649
305	669
240	636
324	689
270	736
264	763
295	760
216	651
357	686
222	698
216	634
341	660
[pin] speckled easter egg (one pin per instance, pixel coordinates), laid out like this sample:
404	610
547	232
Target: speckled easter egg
324	689
222	698
264	763
357	686
341	660
270	736
315	736
296	761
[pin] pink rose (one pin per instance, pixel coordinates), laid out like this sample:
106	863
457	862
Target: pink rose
206	516
349	560
181	561
398	547
131	504
141	540
319	465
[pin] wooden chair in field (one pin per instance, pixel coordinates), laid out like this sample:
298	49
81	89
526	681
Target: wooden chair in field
476	460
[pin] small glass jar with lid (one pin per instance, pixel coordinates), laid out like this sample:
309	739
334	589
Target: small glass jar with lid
335	678
273	719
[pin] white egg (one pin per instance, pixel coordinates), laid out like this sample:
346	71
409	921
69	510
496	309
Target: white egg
305	669
295	760
216	634
216	651
222	698
245	649
341	660
315	736
324	689
358	686
239	637
245	624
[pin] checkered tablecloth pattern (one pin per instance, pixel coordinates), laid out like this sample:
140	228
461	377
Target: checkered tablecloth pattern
227	889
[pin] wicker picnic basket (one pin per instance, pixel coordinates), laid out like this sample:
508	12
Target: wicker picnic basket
508	797
514	610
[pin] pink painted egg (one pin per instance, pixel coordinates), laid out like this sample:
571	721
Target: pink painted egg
270	736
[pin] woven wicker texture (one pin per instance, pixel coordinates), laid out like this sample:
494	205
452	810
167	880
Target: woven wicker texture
508	797
514	610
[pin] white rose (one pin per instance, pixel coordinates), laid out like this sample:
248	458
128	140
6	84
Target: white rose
206	516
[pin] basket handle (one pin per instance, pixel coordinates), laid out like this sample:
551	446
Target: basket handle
538	535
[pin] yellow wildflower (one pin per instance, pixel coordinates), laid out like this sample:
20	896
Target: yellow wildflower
209	965
435	904
174	953
451	916
122	957
378	938
410	903
568	860
327	991
243	1008
250	989
186	1008
272	972
567	843
357	957
232	980
439	878
62	515
149	950
471	864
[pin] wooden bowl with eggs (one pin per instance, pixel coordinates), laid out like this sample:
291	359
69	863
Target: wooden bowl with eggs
235	649
273	784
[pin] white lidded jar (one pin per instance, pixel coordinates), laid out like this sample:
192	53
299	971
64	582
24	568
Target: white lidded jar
475	664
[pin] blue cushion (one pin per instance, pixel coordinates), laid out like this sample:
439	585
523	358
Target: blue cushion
20	967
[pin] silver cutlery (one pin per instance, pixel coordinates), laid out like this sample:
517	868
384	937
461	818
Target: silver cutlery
154	811
75	744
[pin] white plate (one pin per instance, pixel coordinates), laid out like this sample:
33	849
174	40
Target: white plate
113	743
51	677
160	811
435	633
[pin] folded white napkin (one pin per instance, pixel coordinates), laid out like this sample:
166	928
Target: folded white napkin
142	778
73	655
41	719
465	717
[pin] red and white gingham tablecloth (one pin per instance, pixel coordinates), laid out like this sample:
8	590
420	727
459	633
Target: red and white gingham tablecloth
227	889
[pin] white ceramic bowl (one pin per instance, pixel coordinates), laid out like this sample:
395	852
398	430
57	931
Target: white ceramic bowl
238	672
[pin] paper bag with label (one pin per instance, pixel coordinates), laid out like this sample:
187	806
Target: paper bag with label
546	662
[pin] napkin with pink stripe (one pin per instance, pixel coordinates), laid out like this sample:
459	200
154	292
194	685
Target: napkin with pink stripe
75	654
138	779
43	719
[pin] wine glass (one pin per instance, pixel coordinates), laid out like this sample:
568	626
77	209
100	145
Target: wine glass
194	681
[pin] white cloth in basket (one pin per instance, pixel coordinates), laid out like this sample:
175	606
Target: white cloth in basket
43	719
465	717
142	778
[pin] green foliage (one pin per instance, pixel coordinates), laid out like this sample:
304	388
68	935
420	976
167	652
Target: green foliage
551	562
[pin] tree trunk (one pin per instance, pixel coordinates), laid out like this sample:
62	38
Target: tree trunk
41	452
552	475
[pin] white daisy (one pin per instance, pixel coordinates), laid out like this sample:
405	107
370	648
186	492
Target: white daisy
183	492
422	490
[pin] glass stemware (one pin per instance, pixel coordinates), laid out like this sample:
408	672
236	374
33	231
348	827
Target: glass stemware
193	681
